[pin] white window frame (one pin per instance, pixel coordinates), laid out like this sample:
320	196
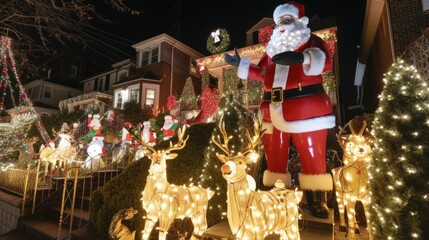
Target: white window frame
135	88
147	87
149	56
118	93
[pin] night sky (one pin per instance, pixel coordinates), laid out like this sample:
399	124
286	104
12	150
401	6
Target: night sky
191	22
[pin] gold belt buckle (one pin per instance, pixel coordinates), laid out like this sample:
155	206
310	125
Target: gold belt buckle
277	95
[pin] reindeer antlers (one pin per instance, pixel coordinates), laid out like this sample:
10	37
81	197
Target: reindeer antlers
253	141
223	146
258	132
181	143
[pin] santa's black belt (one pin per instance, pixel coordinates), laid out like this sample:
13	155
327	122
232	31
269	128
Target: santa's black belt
279	95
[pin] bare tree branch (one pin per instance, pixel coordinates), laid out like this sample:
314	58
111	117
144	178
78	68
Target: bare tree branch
35	25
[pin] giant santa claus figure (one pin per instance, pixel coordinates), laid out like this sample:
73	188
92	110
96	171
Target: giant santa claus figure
295	105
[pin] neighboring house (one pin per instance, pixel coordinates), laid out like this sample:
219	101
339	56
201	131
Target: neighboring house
47	95
59	79
391	27
97	89
162	67
163	64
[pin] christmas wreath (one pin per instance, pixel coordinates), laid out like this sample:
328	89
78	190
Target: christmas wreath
218	41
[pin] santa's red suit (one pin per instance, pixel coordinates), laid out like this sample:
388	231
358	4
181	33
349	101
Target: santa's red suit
294	106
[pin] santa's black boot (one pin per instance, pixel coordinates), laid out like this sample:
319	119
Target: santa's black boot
316	201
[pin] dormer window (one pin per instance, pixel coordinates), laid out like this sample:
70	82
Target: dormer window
72	72
123	74
149	56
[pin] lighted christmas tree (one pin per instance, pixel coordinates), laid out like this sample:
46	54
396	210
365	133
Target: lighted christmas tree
188	100
399	174
14	97
236	121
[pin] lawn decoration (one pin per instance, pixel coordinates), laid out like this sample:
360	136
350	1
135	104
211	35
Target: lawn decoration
94	123
119	152
26	152
166	202
117	230
61	155
47	156
254	214
351	180
169	127
95	151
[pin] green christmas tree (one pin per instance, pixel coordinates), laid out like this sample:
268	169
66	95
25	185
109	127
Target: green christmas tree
188	100
399	174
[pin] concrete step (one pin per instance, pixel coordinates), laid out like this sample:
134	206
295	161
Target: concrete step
43	228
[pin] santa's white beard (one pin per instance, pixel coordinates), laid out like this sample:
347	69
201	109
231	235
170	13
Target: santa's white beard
289	40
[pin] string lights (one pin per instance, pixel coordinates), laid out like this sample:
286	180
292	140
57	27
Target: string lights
398	171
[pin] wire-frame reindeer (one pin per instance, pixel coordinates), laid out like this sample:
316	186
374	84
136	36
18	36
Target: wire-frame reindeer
351	180
254	214
165	202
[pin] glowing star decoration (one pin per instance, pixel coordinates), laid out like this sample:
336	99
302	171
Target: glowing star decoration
164	201
255	214
351	180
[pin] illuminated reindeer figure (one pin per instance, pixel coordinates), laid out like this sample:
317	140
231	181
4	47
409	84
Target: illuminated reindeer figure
254	214
351	180
166	202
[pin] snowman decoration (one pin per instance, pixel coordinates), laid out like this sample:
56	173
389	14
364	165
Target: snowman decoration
95	151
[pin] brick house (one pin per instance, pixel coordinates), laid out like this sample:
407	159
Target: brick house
390	28
163	64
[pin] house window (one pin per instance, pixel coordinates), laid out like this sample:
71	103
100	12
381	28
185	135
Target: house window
145	58
119	100
150	56
72	72
49	73
36	94
122	75
150	97
99	84
134	95
47	92
154	57
425	4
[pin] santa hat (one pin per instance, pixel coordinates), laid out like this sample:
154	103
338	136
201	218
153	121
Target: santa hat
290	8
99	136
127	124
171	117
